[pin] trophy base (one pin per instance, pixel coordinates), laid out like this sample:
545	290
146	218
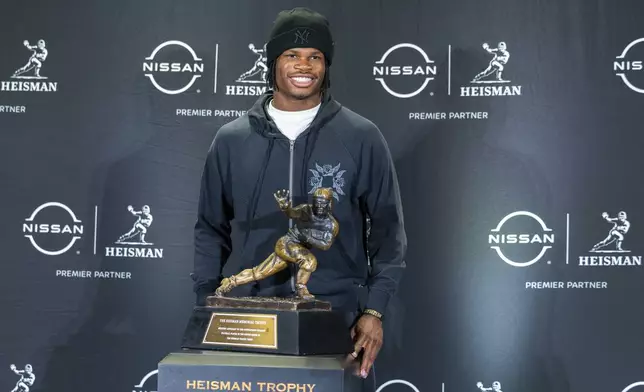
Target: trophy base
291	326
229	371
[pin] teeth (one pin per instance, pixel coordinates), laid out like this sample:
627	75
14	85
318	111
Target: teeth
302	79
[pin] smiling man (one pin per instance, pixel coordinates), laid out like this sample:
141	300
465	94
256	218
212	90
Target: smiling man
297	137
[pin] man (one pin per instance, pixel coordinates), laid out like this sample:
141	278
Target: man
297	137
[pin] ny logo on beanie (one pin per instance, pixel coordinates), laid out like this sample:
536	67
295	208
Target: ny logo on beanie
302	36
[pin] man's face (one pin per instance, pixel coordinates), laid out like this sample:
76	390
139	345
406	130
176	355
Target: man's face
300	72
320	206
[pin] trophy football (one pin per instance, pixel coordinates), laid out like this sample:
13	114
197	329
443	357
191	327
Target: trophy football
297	325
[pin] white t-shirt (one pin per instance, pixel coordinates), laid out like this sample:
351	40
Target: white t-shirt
292	124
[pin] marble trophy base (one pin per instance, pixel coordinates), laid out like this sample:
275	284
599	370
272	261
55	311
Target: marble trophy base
190	370
288	326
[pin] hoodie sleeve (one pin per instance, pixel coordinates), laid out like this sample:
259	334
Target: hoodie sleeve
214	213
387	240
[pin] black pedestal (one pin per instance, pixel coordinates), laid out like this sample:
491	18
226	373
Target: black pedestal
229	371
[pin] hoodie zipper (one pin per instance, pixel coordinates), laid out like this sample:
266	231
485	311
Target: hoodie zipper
290	195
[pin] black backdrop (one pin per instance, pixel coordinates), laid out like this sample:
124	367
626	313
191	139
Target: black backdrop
557	141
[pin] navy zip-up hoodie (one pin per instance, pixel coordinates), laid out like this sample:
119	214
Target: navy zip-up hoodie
249	159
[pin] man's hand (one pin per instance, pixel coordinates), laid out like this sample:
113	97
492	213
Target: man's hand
367	334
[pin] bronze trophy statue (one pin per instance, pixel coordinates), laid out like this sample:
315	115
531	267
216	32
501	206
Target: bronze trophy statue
314	226
291	325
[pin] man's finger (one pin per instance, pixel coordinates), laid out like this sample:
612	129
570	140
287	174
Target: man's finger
371	350
362	339
368	357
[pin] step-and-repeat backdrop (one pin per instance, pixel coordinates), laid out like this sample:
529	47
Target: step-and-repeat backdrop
516	130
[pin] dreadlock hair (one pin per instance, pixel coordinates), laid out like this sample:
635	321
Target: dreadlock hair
272	83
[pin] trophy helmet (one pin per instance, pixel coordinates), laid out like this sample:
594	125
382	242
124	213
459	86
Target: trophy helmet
325	193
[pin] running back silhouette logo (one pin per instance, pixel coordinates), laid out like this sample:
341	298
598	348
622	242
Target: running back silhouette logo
496	387
255	75
139	229
615	235
610	251
493	75
139	245
29	77
259	67
38	57
27	378
496	65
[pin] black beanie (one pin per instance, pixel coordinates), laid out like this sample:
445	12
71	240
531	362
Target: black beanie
300	28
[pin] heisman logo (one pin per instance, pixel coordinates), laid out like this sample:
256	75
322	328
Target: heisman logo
259	67
136	236
31	81
27	378
139	228
616	234
612	245
495	67
35	62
